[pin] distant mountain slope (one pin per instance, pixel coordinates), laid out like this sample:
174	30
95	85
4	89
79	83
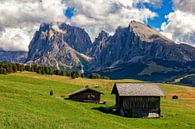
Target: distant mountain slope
13	56
154	70
185	80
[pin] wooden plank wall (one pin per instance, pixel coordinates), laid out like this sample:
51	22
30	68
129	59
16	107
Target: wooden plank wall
140	105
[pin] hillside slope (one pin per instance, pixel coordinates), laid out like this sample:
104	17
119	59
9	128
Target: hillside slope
25	103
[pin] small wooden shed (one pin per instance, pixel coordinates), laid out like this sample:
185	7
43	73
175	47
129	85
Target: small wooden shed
138	99
86	95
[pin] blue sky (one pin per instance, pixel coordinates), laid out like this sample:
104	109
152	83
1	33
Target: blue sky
164	10
69	12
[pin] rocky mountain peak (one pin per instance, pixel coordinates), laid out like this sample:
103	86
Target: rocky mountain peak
103	35
44	26
67	46
139	42
99	43
148	34
59	45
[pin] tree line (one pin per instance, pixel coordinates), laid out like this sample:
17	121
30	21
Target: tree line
6	68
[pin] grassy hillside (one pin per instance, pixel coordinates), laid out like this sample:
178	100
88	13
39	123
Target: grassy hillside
25	104
186	80
154	70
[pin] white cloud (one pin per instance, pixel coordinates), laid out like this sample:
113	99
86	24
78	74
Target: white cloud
10	36
184	5
20	18
180	26
106	15
155	3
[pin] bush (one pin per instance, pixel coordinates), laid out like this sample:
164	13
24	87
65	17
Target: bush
51	92
95	76
105	77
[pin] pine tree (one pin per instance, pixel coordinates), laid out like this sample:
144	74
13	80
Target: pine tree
3	71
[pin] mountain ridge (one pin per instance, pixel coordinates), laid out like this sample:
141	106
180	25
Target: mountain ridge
63	46
13	56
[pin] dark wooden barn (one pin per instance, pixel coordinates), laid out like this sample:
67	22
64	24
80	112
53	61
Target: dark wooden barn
138	99
86	95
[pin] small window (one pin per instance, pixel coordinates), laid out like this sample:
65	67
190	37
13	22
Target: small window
91	96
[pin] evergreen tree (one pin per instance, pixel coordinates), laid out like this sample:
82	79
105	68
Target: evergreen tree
14	67
75	74
3	70
27	68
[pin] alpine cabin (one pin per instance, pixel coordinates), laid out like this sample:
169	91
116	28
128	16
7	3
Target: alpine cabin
138	99
86	95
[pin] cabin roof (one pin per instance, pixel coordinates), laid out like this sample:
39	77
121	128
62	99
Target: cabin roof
83	90
137	89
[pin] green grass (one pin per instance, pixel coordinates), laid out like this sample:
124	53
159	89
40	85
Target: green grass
153	67
179	79
25	104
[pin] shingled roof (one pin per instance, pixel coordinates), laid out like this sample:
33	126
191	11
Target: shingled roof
83	90
137	89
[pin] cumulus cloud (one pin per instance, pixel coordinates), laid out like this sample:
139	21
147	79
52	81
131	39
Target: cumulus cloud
154	3
184	5
20	18
11	35
180	25
106	15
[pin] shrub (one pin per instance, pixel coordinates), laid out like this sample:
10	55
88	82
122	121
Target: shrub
51	92
95	76
105	77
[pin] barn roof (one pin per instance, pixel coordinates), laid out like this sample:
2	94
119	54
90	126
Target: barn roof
83	90
137	89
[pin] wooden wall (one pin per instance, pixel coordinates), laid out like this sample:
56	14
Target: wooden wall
86	96
138	106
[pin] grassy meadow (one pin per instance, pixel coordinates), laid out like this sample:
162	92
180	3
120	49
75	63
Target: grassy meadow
25	103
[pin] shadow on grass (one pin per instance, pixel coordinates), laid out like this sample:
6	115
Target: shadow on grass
107	110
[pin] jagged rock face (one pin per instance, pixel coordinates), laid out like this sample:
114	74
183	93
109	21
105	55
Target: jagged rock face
98	44
76	38
66	46
13	56
60	46
139	42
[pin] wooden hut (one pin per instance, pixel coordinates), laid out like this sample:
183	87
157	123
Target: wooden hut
138	99
86	95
